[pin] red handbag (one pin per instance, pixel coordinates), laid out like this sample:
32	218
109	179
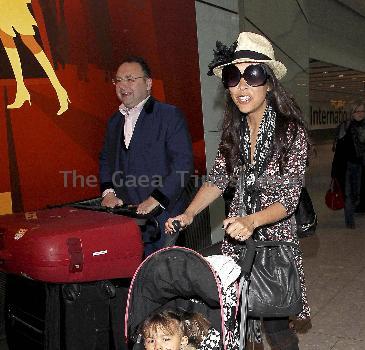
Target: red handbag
334	197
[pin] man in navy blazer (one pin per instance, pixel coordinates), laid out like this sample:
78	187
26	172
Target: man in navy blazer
147	156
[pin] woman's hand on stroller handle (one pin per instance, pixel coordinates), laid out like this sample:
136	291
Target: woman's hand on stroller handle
239	228
177	223
177	226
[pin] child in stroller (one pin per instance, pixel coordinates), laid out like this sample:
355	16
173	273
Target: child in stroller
181	279
171	330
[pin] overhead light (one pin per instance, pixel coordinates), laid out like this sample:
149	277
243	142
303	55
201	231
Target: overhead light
325	72
354	78
338	103
342	87
340	76
333	85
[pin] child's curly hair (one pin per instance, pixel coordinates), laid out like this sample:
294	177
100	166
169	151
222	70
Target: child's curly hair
168	320
195	327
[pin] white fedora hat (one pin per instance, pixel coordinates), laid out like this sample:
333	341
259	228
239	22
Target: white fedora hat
251	47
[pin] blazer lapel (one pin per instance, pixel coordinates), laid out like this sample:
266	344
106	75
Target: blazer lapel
119	140
139	129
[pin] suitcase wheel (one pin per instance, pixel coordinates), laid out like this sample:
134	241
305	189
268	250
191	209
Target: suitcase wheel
108	288
71	292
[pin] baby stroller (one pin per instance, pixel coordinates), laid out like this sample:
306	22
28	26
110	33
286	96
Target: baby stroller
181	279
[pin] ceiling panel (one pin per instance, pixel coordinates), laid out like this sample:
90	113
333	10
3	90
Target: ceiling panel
356	5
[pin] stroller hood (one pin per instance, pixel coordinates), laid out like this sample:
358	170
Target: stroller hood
173	278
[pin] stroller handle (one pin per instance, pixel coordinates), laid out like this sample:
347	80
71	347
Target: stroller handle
170	239
177	225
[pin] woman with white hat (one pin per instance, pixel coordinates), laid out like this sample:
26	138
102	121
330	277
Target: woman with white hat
263	133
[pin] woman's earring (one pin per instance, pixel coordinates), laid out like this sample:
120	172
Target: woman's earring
268	94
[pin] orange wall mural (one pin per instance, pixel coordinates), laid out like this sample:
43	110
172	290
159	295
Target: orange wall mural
69	51
17	20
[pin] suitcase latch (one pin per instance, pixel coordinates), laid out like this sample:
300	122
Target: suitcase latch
75	253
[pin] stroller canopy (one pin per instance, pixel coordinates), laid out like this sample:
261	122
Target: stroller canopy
169	279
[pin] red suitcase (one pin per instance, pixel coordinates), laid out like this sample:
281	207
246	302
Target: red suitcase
69	245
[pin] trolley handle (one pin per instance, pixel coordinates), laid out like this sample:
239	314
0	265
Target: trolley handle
126	210
141	219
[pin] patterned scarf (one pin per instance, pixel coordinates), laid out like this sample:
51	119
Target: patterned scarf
250	202
250	172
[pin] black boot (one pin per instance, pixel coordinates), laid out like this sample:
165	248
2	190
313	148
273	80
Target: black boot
283	340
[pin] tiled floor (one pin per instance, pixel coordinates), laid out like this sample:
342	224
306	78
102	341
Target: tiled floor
334	262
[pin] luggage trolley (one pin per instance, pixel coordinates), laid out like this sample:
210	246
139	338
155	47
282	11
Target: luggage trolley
68	271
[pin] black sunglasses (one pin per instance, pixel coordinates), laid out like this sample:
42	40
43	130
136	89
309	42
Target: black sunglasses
254	75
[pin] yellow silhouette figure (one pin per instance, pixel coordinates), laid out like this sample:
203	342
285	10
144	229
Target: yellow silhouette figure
15	17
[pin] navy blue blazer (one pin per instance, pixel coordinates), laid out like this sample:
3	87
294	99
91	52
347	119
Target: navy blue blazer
158	162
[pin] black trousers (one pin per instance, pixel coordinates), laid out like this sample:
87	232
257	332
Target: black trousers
279	335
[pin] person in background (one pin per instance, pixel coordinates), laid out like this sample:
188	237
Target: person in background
146	159
264	140
349	159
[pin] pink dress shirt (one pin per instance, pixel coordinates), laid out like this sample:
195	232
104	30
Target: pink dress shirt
131	116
